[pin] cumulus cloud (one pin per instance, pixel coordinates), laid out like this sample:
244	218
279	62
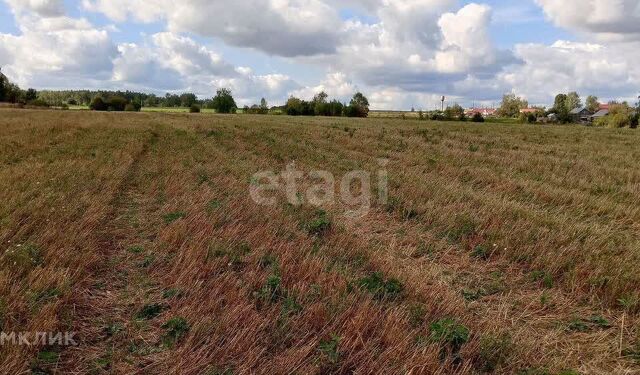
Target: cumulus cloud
336	84
281	27
45	8
59	47
612	20
606	71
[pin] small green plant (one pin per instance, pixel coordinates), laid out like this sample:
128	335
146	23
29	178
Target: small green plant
272	291
464	227
220	371
172	293
213	205
136	249
474	148
330	349
113	329
450	335
268	261
147	261
578	325
494	351
150	311
23	257
424	250
175	330
381	288
319	225
173	216
544	277
417	313
481	252
48	357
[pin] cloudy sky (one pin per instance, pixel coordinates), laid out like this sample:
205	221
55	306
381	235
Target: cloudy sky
400	53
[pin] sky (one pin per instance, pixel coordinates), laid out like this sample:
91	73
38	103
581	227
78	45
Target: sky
401	54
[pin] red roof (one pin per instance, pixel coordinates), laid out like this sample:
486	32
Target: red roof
482	111
529	110
604	106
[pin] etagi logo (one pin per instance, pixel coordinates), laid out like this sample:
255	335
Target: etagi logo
38	338
355	188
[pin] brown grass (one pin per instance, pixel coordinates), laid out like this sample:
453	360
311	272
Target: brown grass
522	234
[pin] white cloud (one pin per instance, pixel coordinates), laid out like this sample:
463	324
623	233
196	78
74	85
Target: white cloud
281	27
606	71
58	48
611	20
45	8
336	85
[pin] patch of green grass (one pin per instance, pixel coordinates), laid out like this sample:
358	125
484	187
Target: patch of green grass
147	261
381	288
464	227
330	349
495	351
23	258
481	252
136	249
172	293
175	330
450	335
150	311
213	205
417	313
272	291
220	371
423	251
544	277
268	261
174	216
319	225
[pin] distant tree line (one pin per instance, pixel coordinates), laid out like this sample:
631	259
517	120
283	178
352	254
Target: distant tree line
321	106
11	93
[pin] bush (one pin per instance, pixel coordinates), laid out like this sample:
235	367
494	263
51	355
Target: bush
194	109
619	121
117	104
477	117
223	102
130	108
98	104
38	103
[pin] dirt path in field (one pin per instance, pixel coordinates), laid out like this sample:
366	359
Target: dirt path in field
114	320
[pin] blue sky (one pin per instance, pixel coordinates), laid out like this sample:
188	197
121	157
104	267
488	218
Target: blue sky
401	52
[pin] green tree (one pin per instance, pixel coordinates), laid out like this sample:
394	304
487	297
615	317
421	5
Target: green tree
511	105
223	102
3	86
359	106
294	107
320	106
454	112
263	105
593	105
560	108
188	99
30	95
573	101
